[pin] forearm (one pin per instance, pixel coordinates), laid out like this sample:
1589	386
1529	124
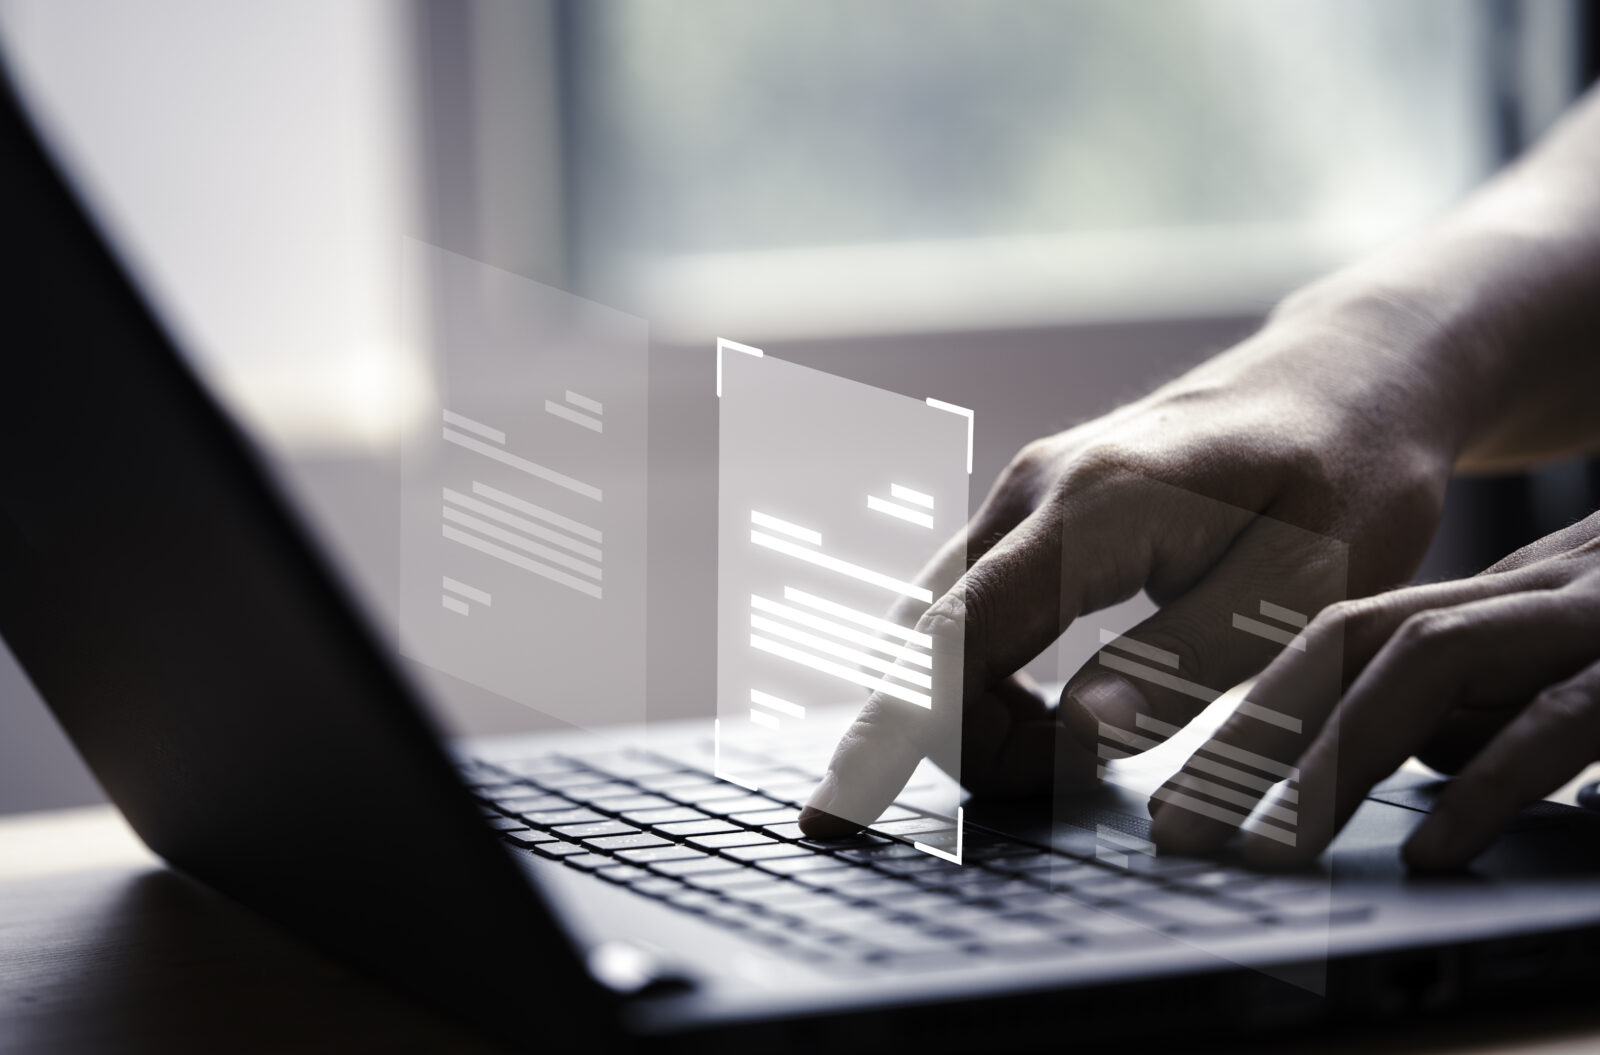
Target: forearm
1502	304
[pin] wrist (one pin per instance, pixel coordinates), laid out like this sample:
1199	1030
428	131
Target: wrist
1398	352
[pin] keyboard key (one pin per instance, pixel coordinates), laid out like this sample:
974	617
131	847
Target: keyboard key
994	851
790	832
826	878
922	863
757	818
696	827
637	841
656	816
792	791
1048	864
550	818
913	826
525	803
1014	895
496	787
632	765
653	854
883	851
1283	891
1117	886
572	779
919	902
899	939
505	824
696	866
587	862
630	803
674	778
741	882
705	791
1215	878
793	865
528	837
559	848
683	778
1080	842
655	886
539	768
616	873
858	841
728	839
595	794
1093	927
1188	913
1167	867
725	807
799	901
766	853
502	788
594	828
869	887
973	883
693	900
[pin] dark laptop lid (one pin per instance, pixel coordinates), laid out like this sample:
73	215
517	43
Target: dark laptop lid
201	658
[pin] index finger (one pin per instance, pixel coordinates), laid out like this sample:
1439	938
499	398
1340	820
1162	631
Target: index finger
1015	585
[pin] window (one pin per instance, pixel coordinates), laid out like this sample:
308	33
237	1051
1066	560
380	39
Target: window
796	159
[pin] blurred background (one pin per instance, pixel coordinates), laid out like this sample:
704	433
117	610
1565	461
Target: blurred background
1034	209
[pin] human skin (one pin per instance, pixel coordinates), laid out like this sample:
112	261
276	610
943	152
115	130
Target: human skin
1475	345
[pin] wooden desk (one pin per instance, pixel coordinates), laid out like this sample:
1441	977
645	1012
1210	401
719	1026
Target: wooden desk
104	950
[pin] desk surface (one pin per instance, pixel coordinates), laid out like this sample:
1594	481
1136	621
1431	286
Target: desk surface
102	949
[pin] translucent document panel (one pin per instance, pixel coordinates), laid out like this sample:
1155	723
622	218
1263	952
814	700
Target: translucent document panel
834	496
1249	610
523	492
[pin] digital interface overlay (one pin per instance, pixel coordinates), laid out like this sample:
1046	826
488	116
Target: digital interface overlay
523	492
834	497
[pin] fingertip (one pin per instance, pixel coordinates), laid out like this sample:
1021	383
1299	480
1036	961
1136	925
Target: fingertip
1108	699
1173	832
1271	855
1433	848
1176	829
820	825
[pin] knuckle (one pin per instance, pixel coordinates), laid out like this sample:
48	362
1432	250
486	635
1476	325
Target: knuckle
1024	479
1565	704
1312	464
1107	465
949	614
1429	631
1354	623
1029	464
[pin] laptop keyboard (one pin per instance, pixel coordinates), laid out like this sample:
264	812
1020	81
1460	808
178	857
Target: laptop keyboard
738	859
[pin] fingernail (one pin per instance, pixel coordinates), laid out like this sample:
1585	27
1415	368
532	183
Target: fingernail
1111	699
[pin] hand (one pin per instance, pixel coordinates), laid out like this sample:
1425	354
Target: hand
1318	421
1499	672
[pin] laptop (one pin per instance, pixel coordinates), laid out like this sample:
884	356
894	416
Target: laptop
262	738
